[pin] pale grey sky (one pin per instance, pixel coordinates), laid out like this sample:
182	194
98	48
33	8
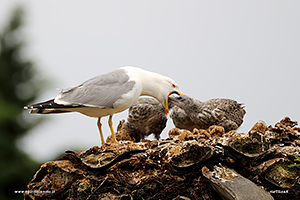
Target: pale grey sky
244	50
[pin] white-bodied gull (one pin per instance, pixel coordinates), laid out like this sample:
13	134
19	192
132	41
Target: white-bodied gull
110	93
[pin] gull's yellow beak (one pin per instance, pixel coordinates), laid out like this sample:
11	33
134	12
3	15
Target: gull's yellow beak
167	101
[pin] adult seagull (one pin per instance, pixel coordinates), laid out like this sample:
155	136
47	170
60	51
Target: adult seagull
110	93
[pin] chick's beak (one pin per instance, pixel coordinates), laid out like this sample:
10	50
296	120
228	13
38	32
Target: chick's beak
167	101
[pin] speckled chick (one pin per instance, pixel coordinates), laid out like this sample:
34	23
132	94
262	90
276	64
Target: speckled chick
145	117
189	113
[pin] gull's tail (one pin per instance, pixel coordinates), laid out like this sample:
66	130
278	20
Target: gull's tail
49	107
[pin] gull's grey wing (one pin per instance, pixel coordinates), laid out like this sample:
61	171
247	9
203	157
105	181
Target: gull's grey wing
101	91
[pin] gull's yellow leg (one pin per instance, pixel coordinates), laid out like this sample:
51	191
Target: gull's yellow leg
100	130
111	129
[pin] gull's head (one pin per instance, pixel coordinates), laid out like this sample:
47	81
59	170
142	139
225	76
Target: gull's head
174	89
165	86
155	85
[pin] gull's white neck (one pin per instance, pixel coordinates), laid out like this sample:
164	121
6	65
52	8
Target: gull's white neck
153	84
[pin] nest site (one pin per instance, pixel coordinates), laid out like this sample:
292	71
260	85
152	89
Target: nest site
198	164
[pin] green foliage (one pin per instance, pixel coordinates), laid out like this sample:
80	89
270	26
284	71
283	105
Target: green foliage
295	165
18	87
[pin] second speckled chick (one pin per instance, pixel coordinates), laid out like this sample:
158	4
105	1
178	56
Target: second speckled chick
189	113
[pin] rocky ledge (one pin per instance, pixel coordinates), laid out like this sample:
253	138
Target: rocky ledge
203	164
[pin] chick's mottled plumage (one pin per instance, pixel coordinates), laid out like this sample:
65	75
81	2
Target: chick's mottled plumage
145	117
189	113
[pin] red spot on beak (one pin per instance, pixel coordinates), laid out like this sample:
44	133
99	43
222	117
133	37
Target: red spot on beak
166	111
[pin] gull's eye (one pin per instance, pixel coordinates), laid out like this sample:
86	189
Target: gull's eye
173	85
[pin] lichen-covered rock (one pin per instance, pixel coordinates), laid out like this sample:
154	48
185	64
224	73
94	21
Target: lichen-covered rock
190	153
259	127
188	165
278	172
121	135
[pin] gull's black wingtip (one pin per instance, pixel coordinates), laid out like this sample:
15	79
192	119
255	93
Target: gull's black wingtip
27	107
48	107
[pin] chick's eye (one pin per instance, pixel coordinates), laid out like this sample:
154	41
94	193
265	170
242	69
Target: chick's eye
173	85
